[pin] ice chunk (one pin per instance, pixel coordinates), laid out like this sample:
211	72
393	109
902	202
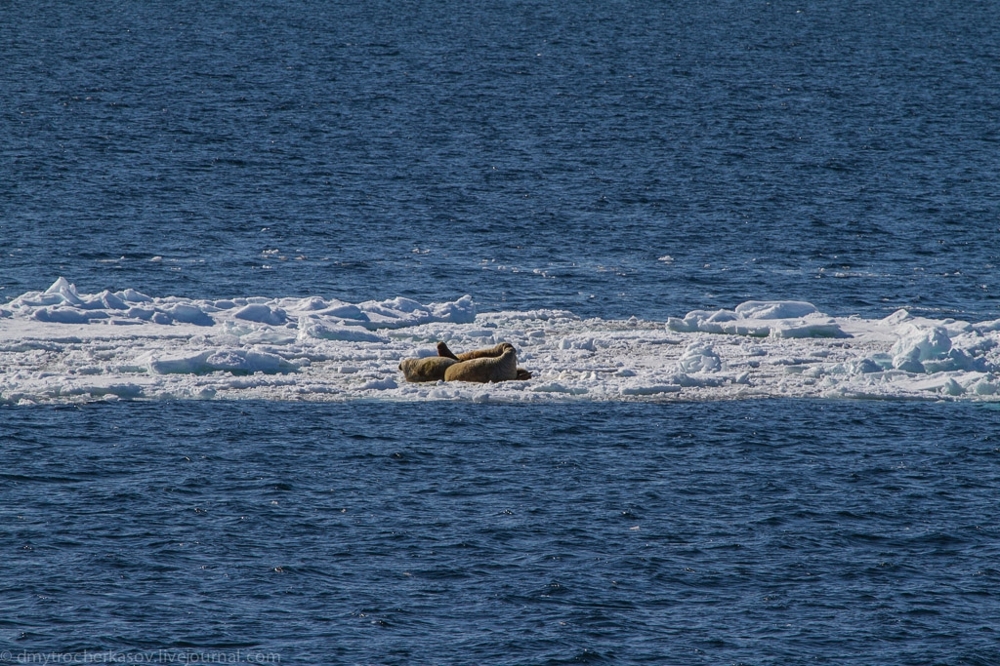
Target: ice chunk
988	326
808	328
313	328
235	361
402	312
189	313
951	387
918	344
699	357
585	343
379	384
67	315
556	387
652	389
111	301
240	361
136	312
343	311
188	363
133	296
775	309
65	292
984	387
462	311
781	319
263	314
311	303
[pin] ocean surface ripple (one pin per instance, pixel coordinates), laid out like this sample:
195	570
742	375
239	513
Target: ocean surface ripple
532	155
449	534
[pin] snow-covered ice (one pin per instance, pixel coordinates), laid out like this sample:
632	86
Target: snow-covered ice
60	345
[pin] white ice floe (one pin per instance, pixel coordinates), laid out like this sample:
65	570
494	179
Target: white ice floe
780	319
60	345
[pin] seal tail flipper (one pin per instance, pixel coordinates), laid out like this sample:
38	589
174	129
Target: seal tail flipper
444	351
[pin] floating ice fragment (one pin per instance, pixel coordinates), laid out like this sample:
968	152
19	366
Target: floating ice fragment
189	313
188	363
263	314
133	296
586	344
650	390
896	318
239	361
311	303
987	326
403	312
313	328
699	357
235	361
951	387
67	315
917	344
267	334
556	387
775	309
379	384
780	319
65	291
698	379
984	387
808	328
865	366
111	301
227	359
343	311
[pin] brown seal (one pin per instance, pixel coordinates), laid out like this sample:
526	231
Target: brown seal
428	369
485	368
488	352
490	364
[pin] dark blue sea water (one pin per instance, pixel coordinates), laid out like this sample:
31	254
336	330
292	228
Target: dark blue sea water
544	154
700	533
614	159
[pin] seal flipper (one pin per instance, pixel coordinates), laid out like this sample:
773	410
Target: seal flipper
444	351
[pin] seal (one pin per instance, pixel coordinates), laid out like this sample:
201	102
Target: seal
428	369
490	364
488	352
484	369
